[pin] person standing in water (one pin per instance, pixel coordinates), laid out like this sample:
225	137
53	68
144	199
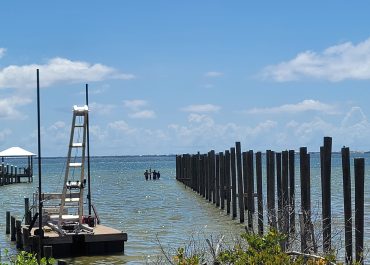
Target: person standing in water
154	175
158	175
146	174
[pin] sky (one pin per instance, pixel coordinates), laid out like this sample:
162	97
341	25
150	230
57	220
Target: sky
171	77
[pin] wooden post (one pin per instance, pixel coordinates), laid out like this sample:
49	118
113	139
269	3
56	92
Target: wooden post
12	228
305	197
7	223
212	176
271	214
285	193
27	211
346	169
292	191
199	176
359	208
7	174
250	188
326	193
16	178
278	189
48	252
259	192
222	180
233	181
227	182
240	181
206	168
245	169
18	231
217	184
11	174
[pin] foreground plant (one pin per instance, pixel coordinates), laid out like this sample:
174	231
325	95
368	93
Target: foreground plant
25	258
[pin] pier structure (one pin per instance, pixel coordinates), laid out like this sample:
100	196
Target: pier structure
237	178
11	174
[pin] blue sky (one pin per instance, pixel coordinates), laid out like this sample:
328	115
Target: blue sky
171	77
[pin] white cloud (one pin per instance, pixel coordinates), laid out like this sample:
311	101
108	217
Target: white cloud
143	114
4	133
8	107
336	63
2	52
353	117
201	108
102	109
121	126
57	70
213	74
305	105
134	104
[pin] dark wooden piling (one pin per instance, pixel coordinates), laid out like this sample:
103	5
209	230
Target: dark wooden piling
279	191
217	181
227	181
212	177
250	189
259	192
12	228
270	170
245	170
326	193
27	213
203	175
233	181
199	176
291	191
18	234
206	177
240	181
346	169
359	208
285	192
305	198
7	223
222	180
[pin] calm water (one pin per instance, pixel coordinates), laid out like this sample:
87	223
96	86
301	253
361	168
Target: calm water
162	209
146	210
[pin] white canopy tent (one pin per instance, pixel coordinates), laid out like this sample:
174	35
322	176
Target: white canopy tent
16	152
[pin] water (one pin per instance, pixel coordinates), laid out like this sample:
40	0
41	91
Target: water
145	210
165	209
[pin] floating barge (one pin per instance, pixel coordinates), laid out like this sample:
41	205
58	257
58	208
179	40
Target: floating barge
61	224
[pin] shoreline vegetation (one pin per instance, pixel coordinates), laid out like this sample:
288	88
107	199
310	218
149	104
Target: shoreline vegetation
249	249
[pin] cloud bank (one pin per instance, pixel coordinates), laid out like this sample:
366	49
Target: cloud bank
201	108
305	105
336	63
57	70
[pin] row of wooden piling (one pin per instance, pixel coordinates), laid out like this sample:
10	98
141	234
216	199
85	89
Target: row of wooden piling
20	234
230	177
10	174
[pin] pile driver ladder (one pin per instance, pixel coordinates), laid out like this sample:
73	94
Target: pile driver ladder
72	195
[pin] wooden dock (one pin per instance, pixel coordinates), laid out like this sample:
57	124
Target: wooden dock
10	174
